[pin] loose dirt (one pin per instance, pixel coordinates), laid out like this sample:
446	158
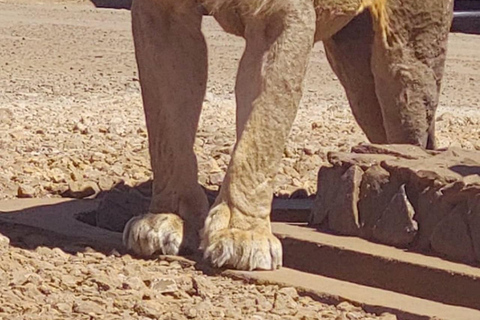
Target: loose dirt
71	122
52	284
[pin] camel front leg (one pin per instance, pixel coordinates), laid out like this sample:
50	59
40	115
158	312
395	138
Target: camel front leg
172	61
237	231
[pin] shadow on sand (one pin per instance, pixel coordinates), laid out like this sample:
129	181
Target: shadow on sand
79	225
112	4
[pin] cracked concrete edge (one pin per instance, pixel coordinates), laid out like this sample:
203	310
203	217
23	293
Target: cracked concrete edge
372	300
378	266
305	233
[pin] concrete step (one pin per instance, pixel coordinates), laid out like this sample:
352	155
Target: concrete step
379	266
372	300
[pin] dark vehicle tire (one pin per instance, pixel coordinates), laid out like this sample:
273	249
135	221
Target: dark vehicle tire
466	17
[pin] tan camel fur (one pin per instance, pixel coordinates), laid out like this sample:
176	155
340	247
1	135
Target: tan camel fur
388	54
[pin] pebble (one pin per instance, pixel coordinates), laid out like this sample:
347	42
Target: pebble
164	285
25	191
4	241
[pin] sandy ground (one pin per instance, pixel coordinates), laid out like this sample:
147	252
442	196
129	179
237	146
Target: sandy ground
71	112
38	282
71	119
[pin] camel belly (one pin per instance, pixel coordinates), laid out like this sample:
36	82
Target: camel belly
332	15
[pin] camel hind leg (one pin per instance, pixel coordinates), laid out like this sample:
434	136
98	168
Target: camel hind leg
172	62
407	63
349	52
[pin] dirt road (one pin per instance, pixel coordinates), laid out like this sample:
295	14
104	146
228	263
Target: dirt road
71	119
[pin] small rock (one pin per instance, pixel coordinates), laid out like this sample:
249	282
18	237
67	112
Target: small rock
204	287
191	313
103	282
105	183
308	151
263	304
214	167
68	281
4	240
354	315
163	286
35	279
103	128
284	305
79	190
63	307
217	314
25	191
117	169
149	309
209	97
19	277
6	116
133	283
289	152
347	307
80	127
387	316
289	291
341	316
87	307
57	175
216	178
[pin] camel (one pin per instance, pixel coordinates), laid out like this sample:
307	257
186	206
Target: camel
389	56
